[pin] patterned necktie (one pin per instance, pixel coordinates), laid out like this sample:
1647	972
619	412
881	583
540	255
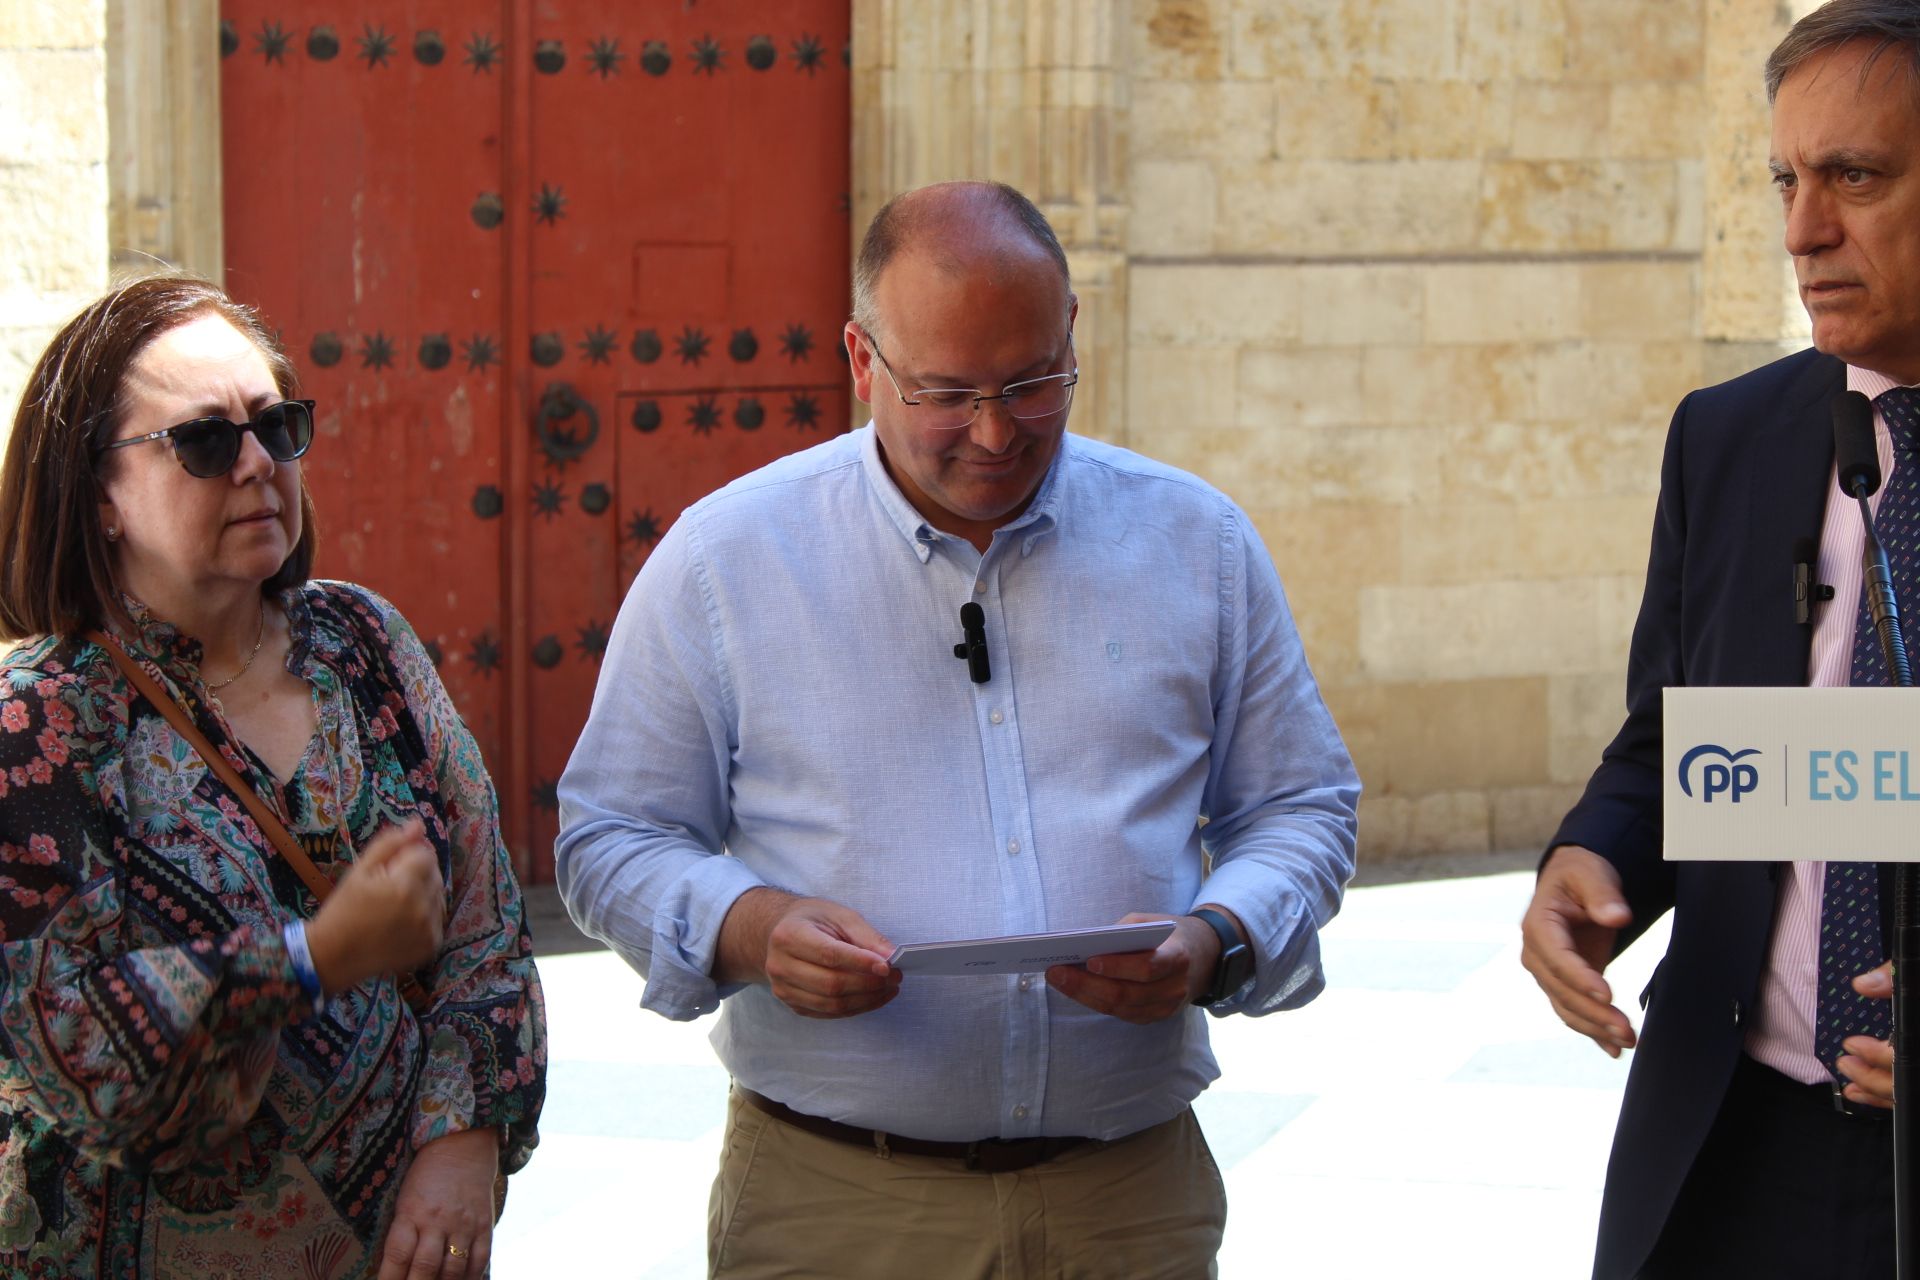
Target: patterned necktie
1850	941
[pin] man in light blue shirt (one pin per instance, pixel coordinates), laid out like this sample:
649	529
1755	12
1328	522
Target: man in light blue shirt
786	772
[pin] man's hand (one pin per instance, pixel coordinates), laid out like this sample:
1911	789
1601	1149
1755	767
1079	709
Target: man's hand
822	959
1567	938
445	1204
1145	986
1868	1062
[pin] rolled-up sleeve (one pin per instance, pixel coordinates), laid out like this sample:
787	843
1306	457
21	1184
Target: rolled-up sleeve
644	811
1281	788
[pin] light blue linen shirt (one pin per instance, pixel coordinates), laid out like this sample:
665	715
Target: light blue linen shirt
780	705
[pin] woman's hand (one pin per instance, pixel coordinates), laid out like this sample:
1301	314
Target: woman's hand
443	1220
386	914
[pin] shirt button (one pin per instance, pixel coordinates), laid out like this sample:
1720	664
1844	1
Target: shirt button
996	717
1013	846
1026	982
1020	1112
980	587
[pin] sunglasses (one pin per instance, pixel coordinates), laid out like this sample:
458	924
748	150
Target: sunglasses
208	447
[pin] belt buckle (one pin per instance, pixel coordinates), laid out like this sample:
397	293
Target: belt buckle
1840	1102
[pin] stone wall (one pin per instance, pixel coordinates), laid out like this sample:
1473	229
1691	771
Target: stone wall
1419	283
53	176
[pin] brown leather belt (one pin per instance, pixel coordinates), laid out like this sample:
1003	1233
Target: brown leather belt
988	1155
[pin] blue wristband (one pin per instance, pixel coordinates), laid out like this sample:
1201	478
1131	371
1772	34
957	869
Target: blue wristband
295	934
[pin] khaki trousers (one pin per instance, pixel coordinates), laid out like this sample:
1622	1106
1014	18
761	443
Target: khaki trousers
789	1203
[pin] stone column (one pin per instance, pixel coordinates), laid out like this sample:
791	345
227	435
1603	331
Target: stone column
1028	92
163	102
53	176
1751	313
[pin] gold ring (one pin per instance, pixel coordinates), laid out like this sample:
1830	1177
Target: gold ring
455	1251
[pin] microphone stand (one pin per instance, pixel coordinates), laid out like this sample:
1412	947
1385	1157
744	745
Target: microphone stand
1877	580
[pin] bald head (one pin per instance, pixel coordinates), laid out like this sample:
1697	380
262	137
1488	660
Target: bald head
960	226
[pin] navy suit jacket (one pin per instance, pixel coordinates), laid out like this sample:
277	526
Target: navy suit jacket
1746	474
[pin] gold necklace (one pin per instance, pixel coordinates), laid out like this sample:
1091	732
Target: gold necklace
258	639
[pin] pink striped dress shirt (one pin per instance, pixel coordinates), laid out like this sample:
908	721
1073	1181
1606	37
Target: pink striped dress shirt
1781	1032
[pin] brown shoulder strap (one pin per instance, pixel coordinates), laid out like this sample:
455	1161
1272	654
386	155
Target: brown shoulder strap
176	715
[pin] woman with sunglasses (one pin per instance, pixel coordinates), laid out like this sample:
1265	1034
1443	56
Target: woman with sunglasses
267	998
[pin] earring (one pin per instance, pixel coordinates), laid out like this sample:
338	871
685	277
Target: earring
113	533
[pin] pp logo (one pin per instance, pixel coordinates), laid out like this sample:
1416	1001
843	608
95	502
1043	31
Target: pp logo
1731	778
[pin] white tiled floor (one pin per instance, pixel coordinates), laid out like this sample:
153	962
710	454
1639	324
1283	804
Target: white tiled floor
1426	1116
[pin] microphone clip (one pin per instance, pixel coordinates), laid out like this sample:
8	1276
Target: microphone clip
1807	592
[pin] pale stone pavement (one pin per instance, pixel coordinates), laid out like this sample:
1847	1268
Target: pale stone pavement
1426	1116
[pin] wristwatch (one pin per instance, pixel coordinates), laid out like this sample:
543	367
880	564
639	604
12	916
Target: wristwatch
1234	968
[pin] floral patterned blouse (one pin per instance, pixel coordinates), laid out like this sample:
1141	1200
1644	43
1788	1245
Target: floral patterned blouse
169	1105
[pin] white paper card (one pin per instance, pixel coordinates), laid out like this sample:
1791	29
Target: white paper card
1028	952
1784	774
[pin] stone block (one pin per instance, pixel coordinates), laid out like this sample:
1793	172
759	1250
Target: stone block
1174	204
1352	119
1584	712
54	103
1281	468
1317	386
1560	121
1410	739
1179	388
1219	119
1326	208
1636	39
1288	39
1614	381
1644	301
1505	461
1453	119
1393	827
1484	630
1207	304
53	235
53	24
1180	39
1444	542
1724	361
1570	206
1527	817
1327	615
1656	120
1512	40
1337	546
1360	304
1433	385
1502	302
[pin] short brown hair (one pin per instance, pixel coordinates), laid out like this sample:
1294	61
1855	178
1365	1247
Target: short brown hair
1893	26
56	575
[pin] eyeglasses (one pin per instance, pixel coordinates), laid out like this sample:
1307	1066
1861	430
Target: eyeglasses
208	447
951	408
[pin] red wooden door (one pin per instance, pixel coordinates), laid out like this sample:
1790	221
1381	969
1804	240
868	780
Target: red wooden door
553	271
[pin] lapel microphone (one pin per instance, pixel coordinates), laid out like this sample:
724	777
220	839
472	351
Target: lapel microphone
973	626
1806	592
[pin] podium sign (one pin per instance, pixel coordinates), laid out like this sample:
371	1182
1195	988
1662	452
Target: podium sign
1785	774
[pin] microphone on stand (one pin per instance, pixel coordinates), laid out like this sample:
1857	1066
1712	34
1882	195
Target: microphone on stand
1857	465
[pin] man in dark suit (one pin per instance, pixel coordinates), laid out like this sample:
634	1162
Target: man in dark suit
1752	1139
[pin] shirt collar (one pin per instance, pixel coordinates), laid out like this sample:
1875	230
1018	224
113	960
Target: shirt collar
1039	519
1868	383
